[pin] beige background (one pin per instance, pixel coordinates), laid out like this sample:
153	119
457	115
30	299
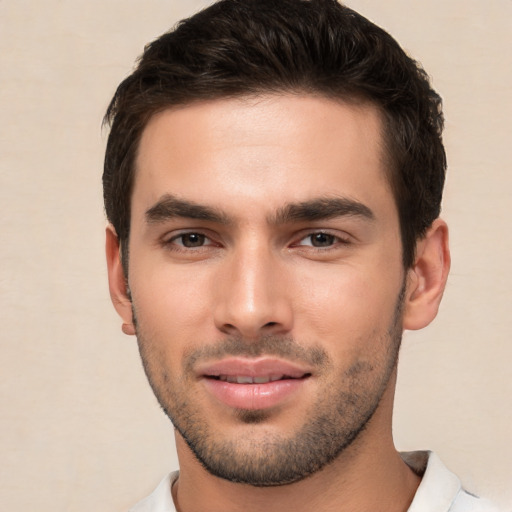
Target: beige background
80	429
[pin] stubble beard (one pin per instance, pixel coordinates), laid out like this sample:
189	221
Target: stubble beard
340	415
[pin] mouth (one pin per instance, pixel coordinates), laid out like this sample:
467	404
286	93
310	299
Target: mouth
253	384
247	379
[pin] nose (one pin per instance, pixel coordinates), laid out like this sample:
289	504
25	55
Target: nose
252	296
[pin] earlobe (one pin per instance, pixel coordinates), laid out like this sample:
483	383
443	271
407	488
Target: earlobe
118	288
426	280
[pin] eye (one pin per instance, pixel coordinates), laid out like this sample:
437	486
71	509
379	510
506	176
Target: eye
321	239
190	240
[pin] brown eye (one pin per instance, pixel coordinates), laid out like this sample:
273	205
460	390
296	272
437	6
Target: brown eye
322	239
191	240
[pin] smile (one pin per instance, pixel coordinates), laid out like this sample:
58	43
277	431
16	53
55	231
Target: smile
246	379
251	384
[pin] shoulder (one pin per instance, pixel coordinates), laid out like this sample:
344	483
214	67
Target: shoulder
466	502
440	490
160	500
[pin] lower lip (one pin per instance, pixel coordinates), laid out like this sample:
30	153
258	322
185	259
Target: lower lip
253	396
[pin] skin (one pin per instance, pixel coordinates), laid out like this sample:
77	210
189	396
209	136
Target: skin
252	273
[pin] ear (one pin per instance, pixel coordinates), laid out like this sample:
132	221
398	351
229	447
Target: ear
117	282
426	280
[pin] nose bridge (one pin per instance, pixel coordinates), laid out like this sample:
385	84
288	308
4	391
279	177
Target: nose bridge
252	298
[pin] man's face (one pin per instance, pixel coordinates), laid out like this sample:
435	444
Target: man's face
266	279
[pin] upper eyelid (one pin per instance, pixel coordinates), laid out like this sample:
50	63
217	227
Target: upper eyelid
171	235
171	243
331	232
295	238
181	235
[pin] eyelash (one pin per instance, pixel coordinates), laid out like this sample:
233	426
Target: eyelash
171	242
336	241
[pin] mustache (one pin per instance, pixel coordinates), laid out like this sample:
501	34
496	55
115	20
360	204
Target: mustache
270	345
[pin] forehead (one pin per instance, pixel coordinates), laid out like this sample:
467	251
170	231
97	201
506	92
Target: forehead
258	152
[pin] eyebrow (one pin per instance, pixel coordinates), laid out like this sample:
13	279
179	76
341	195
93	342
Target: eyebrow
322	209
170	207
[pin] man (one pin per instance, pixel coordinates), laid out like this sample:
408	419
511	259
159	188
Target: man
273	180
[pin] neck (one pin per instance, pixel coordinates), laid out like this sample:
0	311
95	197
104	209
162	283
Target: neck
368	475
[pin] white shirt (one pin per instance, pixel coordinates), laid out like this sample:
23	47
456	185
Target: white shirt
439	491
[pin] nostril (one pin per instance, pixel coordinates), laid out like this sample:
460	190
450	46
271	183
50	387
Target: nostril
270	324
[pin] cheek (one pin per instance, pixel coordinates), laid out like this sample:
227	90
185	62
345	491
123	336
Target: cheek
171	302
349	306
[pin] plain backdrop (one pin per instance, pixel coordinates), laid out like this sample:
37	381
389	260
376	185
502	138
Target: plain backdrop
80	428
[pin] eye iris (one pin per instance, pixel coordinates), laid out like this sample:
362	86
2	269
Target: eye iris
193	240
322	240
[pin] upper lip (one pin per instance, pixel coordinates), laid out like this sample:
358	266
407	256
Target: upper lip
260	367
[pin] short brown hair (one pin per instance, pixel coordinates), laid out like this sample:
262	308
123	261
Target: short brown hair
243	47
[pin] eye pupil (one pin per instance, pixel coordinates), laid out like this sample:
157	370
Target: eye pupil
322	239
193	240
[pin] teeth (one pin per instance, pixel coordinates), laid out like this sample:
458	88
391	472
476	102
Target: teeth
245	379
261	380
